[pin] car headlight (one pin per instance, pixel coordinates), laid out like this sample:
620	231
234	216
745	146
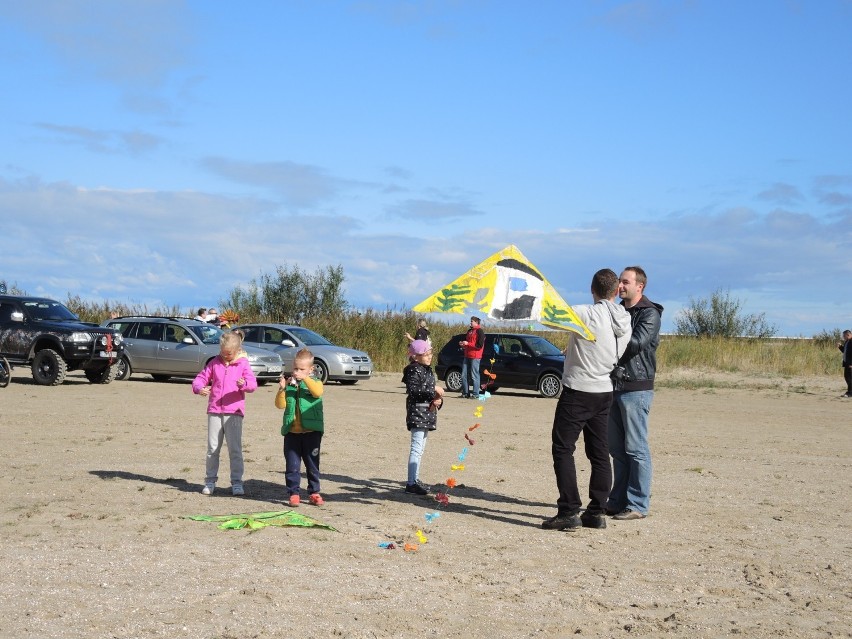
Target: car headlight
343	357
118	338
252	358
80	337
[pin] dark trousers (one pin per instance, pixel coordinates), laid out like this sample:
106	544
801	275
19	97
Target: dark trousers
578	412
847	375
298	448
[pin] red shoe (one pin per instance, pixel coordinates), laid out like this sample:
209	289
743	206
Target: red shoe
317	500
294	500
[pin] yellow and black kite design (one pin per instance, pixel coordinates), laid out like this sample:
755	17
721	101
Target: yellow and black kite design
506	286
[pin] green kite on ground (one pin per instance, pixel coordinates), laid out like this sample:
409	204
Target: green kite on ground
255	521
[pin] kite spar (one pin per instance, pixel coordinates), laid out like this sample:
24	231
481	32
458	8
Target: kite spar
506	287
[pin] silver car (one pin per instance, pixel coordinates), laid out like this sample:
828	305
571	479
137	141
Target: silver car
331	362
168	347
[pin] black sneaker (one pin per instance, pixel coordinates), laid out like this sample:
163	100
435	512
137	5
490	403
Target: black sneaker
562	521
592	520
416	489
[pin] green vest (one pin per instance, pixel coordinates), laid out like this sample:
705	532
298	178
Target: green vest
309	406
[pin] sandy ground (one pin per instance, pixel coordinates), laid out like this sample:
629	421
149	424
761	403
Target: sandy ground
749	533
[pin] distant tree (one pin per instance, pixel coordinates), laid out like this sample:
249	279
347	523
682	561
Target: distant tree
289	295
721	316
10	289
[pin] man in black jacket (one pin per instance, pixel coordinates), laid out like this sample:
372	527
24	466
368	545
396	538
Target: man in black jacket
846	348
628	419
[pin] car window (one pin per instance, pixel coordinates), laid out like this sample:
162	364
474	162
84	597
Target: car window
273	335
309	337
6	309
207	333
540	346
252	333
150	331
47	310
122	327
175	333
511	346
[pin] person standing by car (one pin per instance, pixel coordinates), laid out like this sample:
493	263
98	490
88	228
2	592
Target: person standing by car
473	345
422	332
225	381
628	420
846	348
584	405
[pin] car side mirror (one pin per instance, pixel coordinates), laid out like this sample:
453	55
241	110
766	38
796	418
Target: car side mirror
288	343
17	316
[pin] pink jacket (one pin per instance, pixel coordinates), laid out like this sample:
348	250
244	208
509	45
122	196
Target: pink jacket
225	396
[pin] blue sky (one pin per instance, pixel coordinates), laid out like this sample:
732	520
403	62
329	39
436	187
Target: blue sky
166	151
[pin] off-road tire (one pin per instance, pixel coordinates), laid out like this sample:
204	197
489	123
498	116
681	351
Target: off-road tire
48	367
101	375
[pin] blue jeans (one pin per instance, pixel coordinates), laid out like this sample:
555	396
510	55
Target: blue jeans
631	455
470	368
418	445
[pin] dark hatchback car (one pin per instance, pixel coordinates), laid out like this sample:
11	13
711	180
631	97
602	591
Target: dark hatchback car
520	361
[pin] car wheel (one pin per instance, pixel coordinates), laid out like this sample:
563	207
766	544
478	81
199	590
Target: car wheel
122	369
49	369
320	371
101	375
161	378
348	382
5	373
549	385
454	380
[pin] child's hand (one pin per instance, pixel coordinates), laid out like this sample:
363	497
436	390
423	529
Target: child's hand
241	382
463	342
205	391
435	403
439	392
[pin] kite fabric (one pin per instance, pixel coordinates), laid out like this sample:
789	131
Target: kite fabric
506	286
255	521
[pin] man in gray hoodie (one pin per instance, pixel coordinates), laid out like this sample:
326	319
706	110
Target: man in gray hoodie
584	405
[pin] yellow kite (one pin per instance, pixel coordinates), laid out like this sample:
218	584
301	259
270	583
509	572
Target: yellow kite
506	286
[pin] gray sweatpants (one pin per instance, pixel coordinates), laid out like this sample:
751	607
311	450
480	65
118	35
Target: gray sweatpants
230	429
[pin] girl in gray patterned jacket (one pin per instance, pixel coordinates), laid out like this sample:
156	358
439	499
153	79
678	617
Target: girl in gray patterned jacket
422	402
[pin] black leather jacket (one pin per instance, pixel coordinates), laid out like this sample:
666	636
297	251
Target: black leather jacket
640	357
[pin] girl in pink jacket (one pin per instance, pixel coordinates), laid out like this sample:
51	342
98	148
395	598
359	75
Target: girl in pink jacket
225	381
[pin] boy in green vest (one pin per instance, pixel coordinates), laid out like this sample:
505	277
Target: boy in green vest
301	398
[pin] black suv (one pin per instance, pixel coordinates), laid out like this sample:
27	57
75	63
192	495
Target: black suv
520	361
45	335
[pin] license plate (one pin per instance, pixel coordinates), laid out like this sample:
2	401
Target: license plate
105	354
363	369
273	369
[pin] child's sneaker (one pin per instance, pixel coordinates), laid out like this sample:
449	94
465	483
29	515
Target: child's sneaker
294	500
208	489
237	490
317	500
416	489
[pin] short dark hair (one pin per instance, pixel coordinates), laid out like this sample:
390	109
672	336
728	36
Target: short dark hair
474	318
641	276
604	283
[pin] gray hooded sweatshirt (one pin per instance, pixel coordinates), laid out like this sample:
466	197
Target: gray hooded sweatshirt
588	364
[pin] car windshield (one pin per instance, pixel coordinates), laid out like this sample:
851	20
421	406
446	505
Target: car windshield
541	346
207	333
309	337
46	310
